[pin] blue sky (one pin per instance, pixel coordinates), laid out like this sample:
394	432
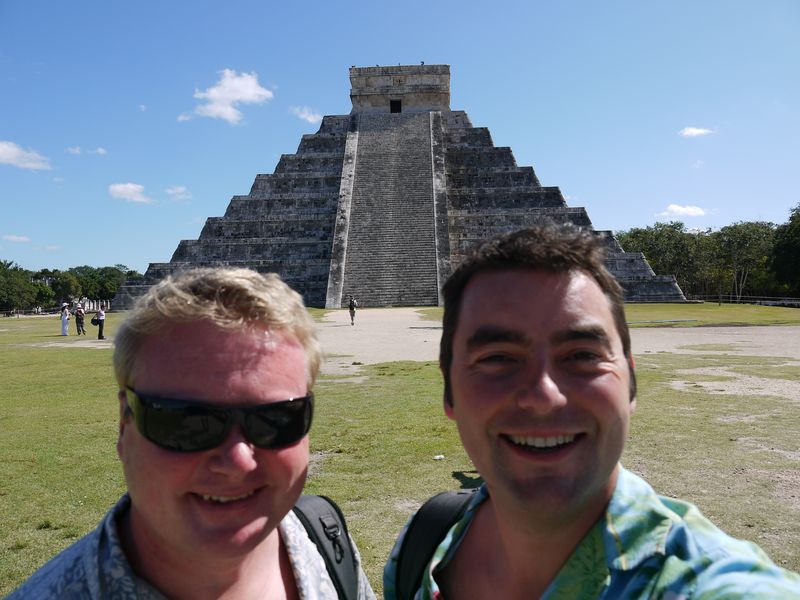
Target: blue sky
123	125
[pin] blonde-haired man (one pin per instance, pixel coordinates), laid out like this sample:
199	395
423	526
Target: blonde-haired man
215	370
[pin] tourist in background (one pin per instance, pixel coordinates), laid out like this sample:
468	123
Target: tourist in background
80	315
64	319
352	305
101	323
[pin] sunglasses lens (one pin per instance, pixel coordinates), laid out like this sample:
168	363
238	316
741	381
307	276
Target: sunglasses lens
184	428
279	424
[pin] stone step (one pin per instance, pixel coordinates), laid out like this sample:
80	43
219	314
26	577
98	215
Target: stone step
505	198
317	144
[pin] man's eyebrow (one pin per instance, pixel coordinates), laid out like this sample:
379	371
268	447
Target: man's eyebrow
498	335
494	335
583	332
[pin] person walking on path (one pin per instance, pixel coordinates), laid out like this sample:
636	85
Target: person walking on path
352	306
80	315
64	319
101	322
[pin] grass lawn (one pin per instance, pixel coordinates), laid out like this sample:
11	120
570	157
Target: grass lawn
691	315
374	441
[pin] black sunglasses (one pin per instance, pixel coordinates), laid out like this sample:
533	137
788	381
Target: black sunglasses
188	426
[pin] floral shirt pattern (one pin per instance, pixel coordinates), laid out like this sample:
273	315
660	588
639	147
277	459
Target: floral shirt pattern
645	546
95	567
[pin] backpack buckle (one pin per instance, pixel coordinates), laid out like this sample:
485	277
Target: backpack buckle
333	532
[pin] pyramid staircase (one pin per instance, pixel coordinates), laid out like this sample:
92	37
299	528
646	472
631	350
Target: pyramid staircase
391	254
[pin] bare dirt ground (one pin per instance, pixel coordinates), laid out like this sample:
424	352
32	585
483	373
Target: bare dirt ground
391	334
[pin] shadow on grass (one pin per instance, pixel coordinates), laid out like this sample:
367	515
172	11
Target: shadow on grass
467	480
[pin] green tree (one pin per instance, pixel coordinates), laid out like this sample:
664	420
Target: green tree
65	286
784	260
745	247
109	279
88	279
133	276
17	291
45	296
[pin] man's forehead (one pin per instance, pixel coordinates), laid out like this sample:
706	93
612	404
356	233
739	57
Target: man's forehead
200	340
506	285
186	355
568	304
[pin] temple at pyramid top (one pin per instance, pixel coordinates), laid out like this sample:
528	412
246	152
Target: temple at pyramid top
384	202
419	88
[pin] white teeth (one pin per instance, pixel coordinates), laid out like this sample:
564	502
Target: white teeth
541	442
224	499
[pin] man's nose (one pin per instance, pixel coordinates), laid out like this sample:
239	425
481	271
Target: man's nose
540	392
236	455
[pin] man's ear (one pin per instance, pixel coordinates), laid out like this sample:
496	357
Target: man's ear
632	377
448	407
447	396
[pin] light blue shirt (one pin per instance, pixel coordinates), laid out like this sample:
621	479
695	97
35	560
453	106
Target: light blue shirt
645	546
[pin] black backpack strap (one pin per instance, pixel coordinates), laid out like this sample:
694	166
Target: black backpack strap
326	527
424	533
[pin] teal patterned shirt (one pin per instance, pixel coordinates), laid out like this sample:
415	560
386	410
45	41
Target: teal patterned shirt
645	546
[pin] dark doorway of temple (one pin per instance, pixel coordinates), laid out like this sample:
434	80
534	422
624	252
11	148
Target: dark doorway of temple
395	106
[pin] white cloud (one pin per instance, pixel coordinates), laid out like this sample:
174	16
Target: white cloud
676	210
51	248
142	107
78	150
16	238
184	117
58	179
130	192
306	114
698	164
11	154
179	192
231	89
694	132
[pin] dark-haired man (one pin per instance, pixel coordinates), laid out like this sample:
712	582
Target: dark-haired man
539	379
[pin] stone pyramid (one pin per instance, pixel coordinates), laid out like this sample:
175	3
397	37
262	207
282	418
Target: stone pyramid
384	202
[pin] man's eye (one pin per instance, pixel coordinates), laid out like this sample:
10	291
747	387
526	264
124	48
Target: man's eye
583	356
496	359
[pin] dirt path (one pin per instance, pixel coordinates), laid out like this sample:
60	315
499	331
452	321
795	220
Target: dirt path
390	334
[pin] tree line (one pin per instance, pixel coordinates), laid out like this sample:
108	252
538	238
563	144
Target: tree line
748	258
22	289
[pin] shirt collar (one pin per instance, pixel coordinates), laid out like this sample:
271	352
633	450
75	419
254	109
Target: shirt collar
636	522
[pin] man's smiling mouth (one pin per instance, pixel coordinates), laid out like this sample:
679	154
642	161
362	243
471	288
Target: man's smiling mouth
225	499
541	442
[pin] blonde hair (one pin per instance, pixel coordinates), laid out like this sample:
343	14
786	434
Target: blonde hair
230	298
